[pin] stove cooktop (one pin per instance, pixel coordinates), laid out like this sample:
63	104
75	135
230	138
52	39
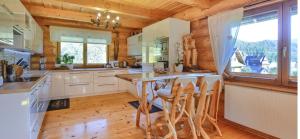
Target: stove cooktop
23	79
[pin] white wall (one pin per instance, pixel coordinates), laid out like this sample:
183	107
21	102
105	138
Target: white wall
271	112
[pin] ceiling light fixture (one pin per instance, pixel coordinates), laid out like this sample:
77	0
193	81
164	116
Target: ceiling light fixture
107	21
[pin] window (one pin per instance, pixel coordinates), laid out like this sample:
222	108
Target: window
257	45
96	54
73	49
86	54
294	32
266	45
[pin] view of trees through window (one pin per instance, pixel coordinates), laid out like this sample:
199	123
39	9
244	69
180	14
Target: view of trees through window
93	54
294	41
96	53
257	45
72	49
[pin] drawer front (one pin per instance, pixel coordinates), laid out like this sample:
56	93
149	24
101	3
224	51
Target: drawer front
105	80
104	73
105	88
78	77
78	89
122	72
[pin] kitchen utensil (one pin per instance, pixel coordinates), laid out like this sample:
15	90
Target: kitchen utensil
3	65
18	70
19	61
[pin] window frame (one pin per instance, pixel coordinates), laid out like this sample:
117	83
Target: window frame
282	77
85	64
287	43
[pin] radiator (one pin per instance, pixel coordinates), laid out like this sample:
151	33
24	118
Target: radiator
271	112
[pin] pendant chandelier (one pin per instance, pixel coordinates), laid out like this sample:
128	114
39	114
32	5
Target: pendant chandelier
106	20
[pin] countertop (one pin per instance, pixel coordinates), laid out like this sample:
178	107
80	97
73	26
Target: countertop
151	76
23	87
89	69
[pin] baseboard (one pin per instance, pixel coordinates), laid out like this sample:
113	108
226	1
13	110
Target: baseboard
248	129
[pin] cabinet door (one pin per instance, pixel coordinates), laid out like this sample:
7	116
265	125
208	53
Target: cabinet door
57	85
123	85
79	89
80	77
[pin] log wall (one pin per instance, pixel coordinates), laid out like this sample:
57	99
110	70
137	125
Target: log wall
200	32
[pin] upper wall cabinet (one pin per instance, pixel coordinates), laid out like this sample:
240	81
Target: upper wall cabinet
20	29
134	44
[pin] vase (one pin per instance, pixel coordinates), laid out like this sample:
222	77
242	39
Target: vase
70	66
178	68
57	65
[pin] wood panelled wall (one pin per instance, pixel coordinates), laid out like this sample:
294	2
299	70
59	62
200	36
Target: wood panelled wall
200	32
50	48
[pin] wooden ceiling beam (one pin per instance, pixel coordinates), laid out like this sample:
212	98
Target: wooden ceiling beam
40	11
44	21
120	8
194	13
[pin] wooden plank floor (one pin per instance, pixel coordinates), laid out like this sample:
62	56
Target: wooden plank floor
108	117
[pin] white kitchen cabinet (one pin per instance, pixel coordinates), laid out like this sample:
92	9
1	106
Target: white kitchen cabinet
171	29
24	117
57	85
78	89
123	85
68	84
134	44
13	14
105	82
78	83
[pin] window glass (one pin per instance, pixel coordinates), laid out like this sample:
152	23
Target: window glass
96	53
256	45
294	42
73	49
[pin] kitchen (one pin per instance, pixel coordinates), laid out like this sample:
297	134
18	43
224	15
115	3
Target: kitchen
153	69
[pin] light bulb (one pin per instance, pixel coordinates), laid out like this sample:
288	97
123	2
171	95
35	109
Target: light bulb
117	18
108	16
113	21
99	15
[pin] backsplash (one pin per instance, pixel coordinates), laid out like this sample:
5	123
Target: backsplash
13	56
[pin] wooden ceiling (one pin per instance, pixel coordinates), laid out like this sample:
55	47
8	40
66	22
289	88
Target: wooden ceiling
134	14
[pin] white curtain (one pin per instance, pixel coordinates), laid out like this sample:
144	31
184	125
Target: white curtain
58	34
223	30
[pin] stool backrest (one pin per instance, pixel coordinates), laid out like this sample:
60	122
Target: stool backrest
215	98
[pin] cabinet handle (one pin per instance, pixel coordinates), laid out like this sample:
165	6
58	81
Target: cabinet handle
105	84
79	84
79	73
106	76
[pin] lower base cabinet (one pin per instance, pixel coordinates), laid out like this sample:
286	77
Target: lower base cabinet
86	83
78	89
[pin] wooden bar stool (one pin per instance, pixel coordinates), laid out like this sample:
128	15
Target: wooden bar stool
212	105
200	101
180	98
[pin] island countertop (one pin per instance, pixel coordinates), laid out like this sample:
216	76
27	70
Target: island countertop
150	76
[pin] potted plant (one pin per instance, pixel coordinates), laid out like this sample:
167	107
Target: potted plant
68	60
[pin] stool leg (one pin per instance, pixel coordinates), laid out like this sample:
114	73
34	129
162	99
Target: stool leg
172	131
138	116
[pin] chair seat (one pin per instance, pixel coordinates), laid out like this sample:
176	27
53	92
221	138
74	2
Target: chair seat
165	94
